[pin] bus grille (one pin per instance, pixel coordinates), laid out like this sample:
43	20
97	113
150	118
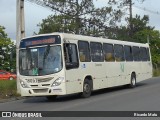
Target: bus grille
44	80
40	90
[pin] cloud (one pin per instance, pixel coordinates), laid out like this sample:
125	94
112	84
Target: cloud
7	6
8	16
152	6
34	14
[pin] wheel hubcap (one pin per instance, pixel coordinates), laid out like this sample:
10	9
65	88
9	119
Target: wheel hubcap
86	88
133	81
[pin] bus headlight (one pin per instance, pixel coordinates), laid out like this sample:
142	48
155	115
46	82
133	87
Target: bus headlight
23	84
58	81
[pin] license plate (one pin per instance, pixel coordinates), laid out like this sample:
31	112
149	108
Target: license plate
32	81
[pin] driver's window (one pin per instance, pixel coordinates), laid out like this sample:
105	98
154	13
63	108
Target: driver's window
71	56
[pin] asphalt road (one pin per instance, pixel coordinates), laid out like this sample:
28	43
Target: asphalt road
145	97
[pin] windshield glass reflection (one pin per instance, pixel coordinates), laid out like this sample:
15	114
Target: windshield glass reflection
40	61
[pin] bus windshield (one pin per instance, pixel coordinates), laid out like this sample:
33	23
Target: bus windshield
40	61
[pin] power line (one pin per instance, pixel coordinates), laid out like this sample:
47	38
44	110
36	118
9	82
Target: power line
39	3
47	4
40	6
147	10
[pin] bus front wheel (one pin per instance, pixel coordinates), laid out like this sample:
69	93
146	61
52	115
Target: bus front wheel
87	89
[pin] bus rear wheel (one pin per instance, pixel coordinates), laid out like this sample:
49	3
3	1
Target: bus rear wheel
133	81
87	89
51	98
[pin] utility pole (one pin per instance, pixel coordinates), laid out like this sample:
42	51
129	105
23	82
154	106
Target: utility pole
19	34
130	18
20	20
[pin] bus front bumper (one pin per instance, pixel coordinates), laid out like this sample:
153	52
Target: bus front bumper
42	91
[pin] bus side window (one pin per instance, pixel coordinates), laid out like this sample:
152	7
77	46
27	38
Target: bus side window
136	53
108	52
128	53
148	54
82	56
144	53
119	53
96	52
71	56
84	51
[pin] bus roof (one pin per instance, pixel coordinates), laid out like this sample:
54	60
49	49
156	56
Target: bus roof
69	36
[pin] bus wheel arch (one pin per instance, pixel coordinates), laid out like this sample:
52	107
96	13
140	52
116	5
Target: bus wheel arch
133	80
90	79
87	87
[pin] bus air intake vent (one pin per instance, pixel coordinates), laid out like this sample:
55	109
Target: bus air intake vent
46	85
40	90
34	85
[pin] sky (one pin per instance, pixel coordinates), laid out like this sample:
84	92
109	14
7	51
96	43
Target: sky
34	15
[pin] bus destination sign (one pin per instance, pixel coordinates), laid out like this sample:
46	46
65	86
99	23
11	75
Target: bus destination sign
41	40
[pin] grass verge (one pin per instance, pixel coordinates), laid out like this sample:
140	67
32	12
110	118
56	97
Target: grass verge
156	72
8	89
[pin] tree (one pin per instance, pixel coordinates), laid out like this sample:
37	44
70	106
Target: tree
7	48
124	5
141	32
140	24
80	17
154	40
72	9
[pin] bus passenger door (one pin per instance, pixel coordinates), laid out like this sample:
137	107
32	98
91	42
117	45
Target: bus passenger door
71	64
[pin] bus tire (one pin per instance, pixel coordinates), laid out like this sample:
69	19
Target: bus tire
87	88
133	81
51	98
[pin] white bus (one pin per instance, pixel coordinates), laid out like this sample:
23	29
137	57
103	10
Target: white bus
60	64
